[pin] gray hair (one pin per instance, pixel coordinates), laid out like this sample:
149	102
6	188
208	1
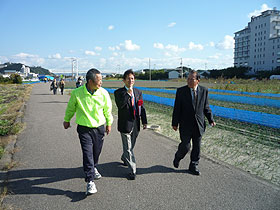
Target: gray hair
91	74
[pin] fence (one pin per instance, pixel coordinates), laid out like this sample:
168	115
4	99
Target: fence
259	118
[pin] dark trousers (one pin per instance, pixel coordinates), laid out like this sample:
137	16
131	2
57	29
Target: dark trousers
54	91
61	89
185	145
91	140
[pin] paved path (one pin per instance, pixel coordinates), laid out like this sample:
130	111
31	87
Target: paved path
50	176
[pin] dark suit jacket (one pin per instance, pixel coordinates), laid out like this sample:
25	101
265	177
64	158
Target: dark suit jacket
125	110
184	113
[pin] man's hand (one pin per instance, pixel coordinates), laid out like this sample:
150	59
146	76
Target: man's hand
175	128
144	126
213	124
66	125
108	129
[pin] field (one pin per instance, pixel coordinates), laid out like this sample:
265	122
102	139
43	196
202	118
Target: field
251	147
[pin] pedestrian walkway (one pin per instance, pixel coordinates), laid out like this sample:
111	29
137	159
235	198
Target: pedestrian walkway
49	173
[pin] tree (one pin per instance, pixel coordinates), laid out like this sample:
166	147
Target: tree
16	79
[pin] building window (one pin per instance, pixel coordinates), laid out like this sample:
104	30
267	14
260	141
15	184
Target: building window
272	61
272	53
263	62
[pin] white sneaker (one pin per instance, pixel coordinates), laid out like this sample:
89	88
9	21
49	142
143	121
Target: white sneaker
91	188
97	175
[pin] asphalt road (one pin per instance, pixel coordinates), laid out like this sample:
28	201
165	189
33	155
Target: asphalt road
50	176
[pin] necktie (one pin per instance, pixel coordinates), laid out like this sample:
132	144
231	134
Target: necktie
194	98
132	103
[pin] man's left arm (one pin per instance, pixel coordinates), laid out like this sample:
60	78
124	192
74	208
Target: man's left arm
107	111
143	115
207	110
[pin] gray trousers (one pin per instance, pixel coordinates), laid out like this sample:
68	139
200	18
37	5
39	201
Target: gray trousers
128	142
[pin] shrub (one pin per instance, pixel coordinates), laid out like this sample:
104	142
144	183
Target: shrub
16	79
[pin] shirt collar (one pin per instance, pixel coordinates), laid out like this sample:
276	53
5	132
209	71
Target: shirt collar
127	89
89	91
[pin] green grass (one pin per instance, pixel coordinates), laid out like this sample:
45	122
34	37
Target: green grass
12	98
253	148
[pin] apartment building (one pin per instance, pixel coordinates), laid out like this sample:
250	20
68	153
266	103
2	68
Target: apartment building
258	44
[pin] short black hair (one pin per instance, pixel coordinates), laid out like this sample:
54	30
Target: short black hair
195	72
91	74
128	72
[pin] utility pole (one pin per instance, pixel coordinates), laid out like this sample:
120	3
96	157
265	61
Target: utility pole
150	69
182	68
74	67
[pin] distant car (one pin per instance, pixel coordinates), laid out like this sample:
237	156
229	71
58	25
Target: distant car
274	77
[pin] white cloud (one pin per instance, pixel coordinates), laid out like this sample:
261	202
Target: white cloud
226	44
264	7
111	27
158	46
27	59
211	44
115	54
88	52
127	45
25	55
55	56
130	46
171	24
98	48
215	56
167	54
193	46
175	48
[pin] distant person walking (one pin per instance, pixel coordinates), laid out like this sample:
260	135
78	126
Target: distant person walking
54	86
129	101
61	86
92	105
79	82
190	109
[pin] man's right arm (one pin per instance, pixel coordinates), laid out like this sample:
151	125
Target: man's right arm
70	110
176	112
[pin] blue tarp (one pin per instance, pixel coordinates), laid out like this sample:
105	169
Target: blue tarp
42	77
230	98
259	118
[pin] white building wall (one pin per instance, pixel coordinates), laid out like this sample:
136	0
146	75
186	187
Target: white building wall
173	75
264	43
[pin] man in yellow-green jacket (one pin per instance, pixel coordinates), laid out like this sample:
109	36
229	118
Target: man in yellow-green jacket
92	105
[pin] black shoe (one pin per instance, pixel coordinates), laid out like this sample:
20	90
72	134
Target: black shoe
124	163
131	176
194	171
176	163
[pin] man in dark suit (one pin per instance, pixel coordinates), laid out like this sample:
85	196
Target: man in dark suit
190	109
129	101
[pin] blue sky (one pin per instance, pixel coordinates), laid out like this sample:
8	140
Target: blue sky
115	35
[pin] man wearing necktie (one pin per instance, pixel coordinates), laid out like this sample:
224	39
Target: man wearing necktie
189	112
129	101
